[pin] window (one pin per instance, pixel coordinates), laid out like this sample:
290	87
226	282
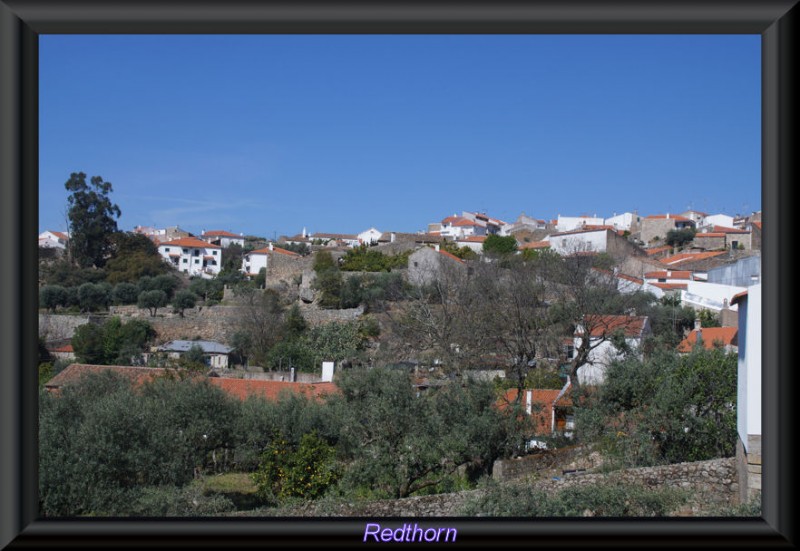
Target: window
214	253
185	251
185	261
197	261
197	252
166	249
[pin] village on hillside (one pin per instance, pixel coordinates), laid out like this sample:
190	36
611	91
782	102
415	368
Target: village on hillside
558	318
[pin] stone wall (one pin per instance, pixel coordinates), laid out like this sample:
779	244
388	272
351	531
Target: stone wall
61	327
214	323
509	469
317	316
710	483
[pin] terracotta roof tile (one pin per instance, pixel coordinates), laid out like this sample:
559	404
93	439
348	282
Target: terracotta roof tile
266	250
671	286
689	257
632	326
190	242
221	233
450	255
271	390
542	401
536	245
723	229
669	274
710	335
657	250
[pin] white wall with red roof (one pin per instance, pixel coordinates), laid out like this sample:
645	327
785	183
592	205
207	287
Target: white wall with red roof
192	256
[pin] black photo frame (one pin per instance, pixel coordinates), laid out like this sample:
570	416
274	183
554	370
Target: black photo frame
21	21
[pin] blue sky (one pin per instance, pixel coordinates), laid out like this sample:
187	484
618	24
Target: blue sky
266	135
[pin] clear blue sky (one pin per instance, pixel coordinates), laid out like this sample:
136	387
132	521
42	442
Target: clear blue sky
269	134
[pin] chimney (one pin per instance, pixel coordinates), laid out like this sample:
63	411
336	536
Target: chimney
667	216
392	238
270	246
304	233
291	375
697	325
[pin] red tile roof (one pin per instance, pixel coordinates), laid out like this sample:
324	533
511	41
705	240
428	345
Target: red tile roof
757	224
190	242
656	250
710	335
689	257
74	372
271	390
542	401
723	229
465	222
671	286
237	388
266	250
632	326
63	348
709	234
536	245
60	235
450	255
631	278
221	233
669	274
738	297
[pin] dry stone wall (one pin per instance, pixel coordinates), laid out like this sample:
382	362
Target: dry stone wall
709	483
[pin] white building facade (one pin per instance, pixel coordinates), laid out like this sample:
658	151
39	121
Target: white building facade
748	396
192	256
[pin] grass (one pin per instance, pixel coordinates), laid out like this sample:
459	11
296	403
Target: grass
238	487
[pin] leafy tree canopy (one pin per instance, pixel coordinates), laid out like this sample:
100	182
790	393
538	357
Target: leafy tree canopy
92	219
500	245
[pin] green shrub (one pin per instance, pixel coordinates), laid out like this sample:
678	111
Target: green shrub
305	471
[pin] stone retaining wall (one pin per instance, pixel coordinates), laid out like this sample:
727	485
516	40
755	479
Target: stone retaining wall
710	483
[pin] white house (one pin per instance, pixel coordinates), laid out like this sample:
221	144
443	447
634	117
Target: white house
214	353
623	221
370	236
53	240
580	240
254	261
456	227
717	220
569	223
474	242
748	397
192	256
222	238
603	352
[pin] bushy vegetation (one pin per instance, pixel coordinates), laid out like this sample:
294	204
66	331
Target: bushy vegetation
664	409
366	259
113	342
108	448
